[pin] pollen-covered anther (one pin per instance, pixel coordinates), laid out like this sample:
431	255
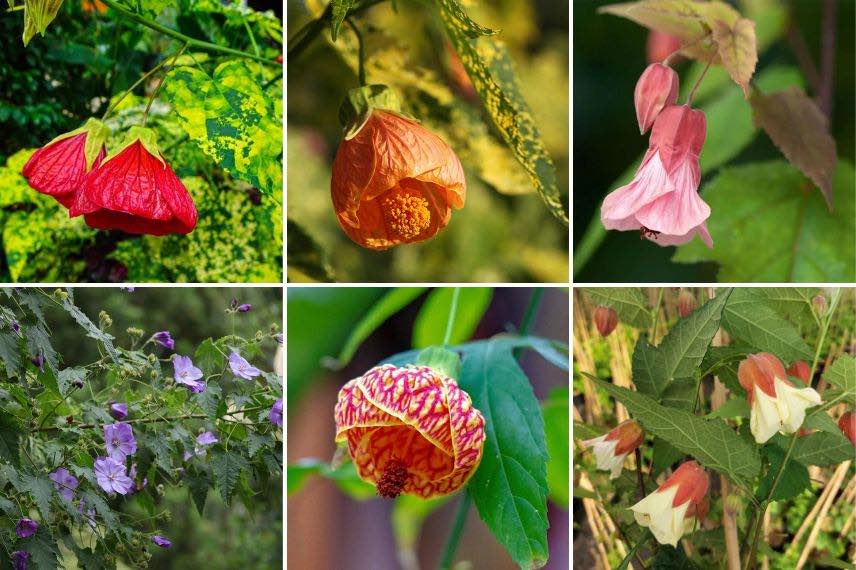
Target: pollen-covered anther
391	483
406	212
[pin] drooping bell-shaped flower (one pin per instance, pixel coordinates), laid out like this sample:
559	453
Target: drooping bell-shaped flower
605	319
136	191
57	169
660	46
800	369
670	510
656	89
410	430
611	449
394	181
776	405
662	199
847	423
686	303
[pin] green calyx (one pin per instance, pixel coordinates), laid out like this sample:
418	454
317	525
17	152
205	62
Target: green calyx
145	136
97	134
442	360
361	101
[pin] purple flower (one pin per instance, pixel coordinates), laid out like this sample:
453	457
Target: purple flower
119	440
244	308
132	473
162	541
39	361
20	559
276	413
127	289
187	374
26	528
207	438
89	515
16	328
119	410
64	482
278	337
111	476
164	339
241	368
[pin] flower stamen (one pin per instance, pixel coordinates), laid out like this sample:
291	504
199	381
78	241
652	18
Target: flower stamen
391	483
406	212
646	233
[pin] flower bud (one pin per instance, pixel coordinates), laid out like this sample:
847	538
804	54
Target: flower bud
776	405
800	369
847	423
605	319
686	304
656	89
612	449
669	511
819	304
660	46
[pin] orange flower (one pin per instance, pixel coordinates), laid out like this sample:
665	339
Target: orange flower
410	430
395	182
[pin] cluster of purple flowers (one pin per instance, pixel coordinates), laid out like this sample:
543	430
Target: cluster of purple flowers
110	471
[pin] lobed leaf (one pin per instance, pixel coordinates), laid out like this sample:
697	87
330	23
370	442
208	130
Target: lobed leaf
842	373
794	479
628	302
227	469
737	49
820	448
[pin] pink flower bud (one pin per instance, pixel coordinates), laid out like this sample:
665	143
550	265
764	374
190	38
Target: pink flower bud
800	369
686	304
612	449
660	46
605	319
847	423
656	89
819	304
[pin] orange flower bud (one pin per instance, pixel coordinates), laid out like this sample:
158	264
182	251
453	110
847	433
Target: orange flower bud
393	181
605	319
686	303
800	369
847	423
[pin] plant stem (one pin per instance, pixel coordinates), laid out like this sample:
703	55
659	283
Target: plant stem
531	309
827	58
193	42
697	83
160	84
455	534
640	481
453	310
656	316
152	420
307	34
361	52
130	89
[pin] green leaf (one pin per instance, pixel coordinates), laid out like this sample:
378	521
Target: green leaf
712	442
38	342
345	477
43	550
198	483
388	305
818	419
462	22
664	455
556	412
340	9
509	488
209	358
229	116
792	302
10	442
820	448
103	511
442	360
9	353
69	376
842	373
429	328
227	468
38	14
749	319
584	431
737	48
732	408
306	258
794	236
492	73
629	303
41	489
794	479
671	558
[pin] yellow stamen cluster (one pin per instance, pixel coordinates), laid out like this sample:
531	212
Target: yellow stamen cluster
406	212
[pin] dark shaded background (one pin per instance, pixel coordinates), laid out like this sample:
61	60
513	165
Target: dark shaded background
609	56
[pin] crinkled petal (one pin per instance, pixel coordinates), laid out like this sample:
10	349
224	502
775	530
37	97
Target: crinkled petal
785	413
651	182
657	513
680	211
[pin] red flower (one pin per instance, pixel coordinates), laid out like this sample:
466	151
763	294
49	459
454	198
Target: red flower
135	190
605	319
847	423
58	168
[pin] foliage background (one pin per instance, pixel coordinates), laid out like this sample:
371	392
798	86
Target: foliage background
504	233
609	56
86	59
345	534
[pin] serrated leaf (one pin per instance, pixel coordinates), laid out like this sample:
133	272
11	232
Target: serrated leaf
68	376
429	328
41	489
628	302
822	449
842	373
9	353
42	548
792	302
102	509
736	46
198	483
39	343
227	468
492	74
92	330
760	326
712	442
794	237
801	131
556	412
208	357
10	430
794	479
509	488
340	9
584	431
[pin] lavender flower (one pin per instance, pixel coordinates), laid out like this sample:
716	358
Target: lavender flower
26	528
16	328
111	476
119	440
275	415
207	438
241	368
89	514
20	560
119	410
164	339
187	374
162	541
64	482
39	361
244	308
280	338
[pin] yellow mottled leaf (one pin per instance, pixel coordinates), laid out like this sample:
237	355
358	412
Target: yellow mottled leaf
38	14
738	50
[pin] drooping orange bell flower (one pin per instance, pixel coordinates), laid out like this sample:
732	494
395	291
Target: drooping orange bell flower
394	181
410	430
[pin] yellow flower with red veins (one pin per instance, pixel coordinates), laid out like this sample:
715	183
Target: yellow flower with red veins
393	181
669	511
410	430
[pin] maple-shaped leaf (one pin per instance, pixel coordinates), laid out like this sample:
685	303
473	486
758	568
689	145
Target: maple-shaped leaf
737	49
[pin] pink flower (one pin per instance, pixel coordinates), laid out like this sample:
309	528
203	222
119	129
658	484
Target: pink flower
662	200
656	89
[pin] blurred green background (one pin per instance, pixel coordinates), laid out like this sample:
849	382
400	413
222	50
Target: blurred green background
609	56
505	232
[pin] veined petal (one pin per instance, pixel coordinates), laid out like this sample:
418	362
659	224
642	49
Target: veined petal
651	182
657	513
794	403
679	212
765	417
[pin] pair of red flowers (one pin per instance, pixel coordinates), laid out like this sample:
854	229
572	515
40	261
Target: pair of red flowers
132	189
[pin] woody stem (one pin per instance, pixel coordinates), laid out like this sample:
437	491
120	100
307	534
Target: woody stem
697	83
160	84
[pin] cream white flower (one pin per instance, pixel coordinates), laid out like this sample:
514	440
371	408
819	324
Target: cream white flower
611	449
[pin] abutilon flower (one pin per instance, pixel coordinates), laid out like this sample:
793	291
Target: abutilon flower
662	199
410	430
206	438
686	304
776	405
847	423
275	415
26	528
136	191
656	89
605	319
164	339
669	511
119	440
612	449
187	374
57	169
800	369
395	182
111	476
119	410
64	482
241	368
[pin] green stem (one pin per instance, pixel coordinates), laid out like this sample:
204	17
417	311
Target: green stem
304	37
160	84
457	530
697	83
130	89
656	315
361	52
531	309
193	42
453	310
